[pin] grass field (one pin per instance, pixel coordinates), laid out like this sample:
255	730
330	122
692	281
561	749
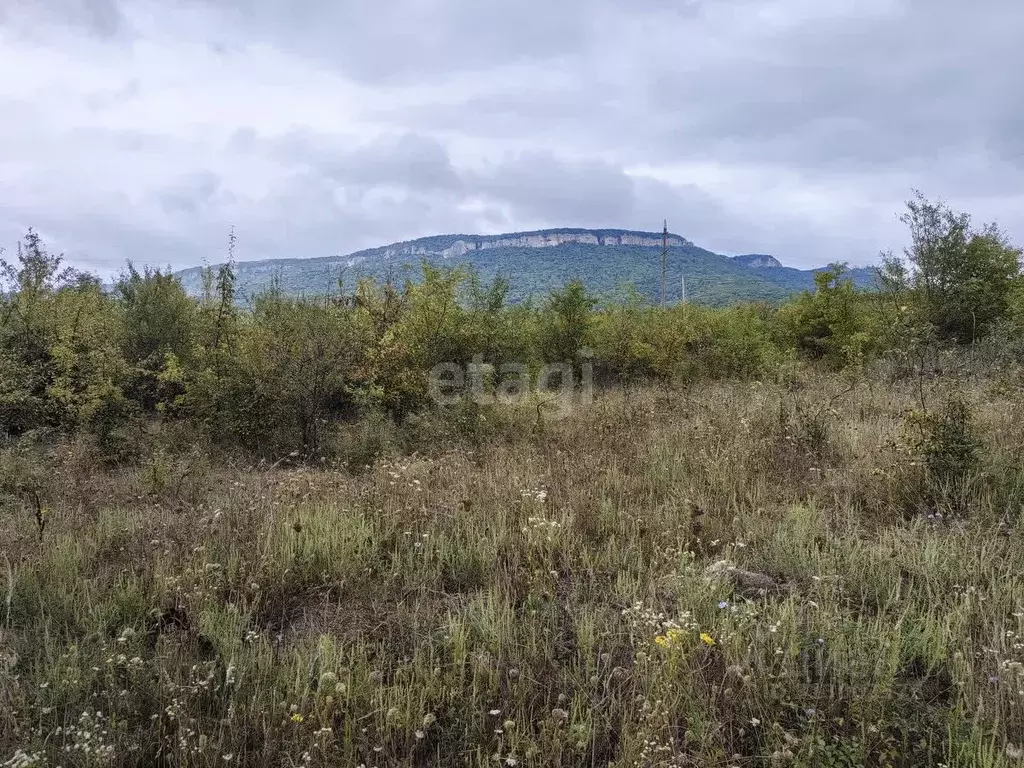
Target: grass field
749	574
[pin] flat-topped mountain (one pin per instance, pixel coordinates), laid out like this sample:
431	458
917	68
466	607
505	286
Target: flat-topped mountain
607	260
447	246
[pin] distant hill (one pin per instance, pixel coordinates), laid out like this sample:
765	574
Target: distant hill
607	260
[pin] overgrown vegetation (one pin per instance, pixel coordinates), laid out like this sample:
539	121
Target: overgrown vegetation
774	536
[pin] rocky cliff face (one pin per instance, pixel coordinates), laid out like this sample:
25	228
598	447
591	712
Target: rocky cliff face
463	246
757	260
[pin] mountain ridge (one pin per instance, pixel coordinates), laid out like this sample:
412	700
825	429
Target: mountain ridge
537	261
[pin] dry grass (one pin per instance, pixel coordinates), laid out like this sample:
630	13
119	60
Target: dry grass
536	597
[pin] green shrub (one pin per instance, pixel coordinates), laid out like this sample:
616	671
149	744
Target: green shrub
944	454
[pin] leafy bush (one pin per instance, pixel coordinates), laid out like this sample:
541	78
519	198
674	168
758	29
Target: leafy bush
959	281
834	324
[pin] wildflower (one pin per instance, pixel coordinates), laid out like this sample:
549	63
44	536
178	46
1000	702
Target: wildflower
662	641
429	719
420	734
706	638
297	717
724	604
494	712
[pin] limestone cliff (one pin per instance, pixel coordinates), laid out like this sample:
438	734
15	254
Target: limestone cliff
757	260
459	245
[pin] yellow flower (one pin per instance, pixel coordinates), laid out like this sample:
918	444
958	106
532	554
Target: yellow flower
706	638
297	718
662	641
675	635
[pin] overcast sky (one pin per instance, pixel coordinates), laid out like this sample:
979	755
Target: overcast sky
145	130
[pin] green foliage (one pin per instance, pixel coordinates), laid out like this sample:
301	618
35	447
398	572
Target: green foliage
158	334
298	363
944	441
281	375
943	455
621	350
834	323
58	362
959	281
565	323
413	329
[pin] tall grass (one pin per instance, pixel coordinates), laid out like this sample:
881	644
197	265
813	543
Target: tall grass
526	596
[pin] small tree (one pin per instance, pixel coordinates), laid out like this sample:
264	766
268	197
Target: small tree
566	323
960	280
158	329
29	333
29	286
832	323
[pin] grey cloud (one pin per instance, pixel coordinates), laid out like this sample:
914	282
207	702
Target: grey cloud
119	140
193	193
109	97
539	185
412	189
101	18
104	243
410	40
405	159
901	88
408	159
906	85
546	106
711	224
310	215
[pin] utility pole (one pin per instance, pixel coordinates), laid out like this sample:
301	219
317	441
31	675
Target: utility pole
684	288
664	262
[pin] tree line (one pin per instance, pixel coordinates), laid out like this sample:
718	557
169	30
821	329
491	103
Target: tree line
276	377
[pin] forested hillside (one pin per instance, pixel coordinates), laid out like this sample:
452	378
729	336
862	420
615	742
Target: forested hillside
601	259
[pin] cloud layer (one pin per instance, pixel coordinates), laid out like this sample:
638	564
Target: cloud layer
145	130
